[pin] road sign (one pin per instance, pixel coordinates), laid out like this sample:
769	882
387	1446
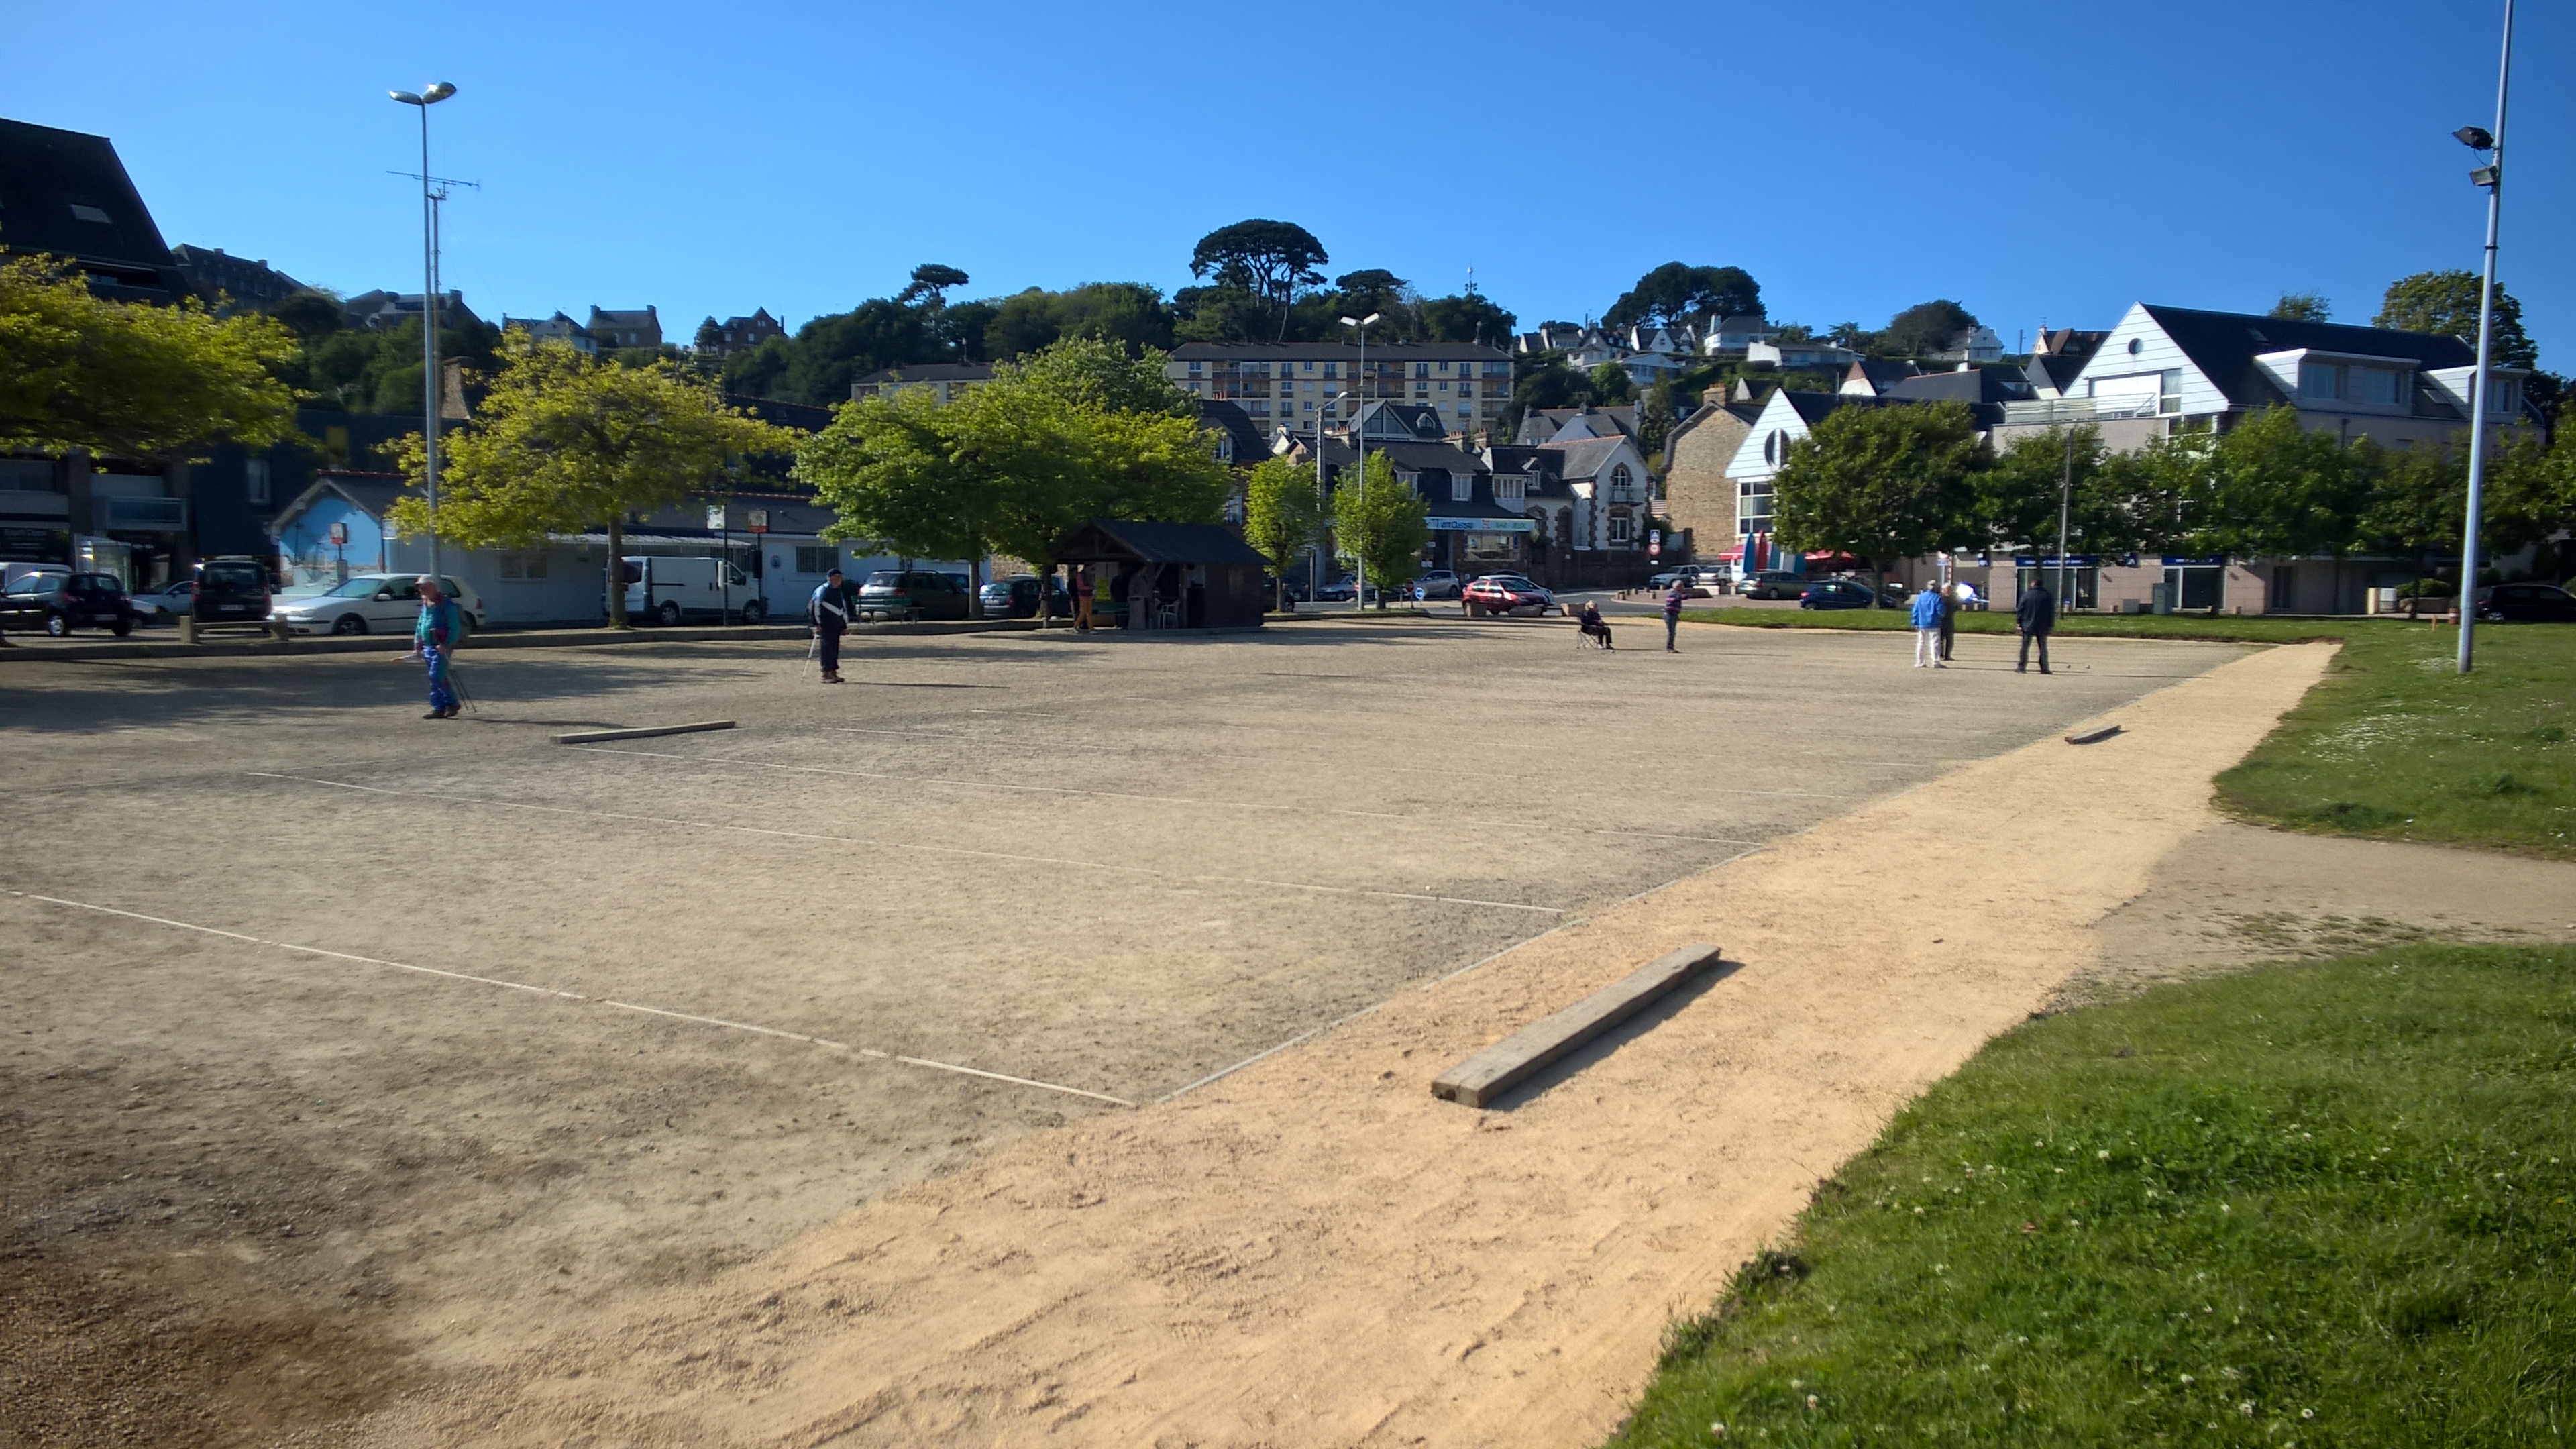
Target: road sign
756	519
339	533
716	516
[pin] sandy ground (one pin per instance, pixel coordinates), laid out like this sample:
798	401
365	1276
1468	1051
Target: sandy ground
1314	1251
351	1057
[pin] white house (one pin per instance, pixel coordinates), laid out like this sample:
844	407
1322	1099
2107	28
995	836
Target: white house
1607	480
1808	353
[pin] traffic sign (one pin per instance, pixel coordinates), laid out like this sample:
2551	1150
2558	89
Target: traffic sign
716	516
756	519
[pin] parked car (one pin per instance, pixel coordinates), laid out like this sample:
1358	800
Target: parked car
668	590
1016	597
372	604
60	603
165	604
1717	578
230	590
11	573
1842	594
1343	590
1508	594
2527	603
1772	584
1669	577
918	594
1438	584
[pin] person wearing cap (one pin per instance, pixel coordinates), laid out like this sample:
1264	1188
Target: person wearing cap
829	612
1926	616
433	638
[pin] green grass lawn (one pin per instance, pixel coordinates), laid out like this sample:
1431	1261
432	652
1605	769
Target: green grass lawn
2396	744
2328	1204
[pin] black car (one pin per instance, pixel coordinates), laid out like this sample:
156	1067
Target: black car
231	591
1840	594
1017	598
2528	603
918	594
60	603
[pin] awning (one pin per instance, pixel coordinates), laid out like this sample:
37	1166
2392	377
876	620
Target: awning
701	539
1482	525
1732	555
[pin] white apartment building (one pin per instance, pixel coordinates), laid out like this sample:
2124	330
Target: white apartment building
1295	384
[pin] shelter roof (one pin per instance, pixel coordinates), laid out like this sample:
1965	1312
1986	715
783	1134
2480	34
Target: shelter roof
1129	540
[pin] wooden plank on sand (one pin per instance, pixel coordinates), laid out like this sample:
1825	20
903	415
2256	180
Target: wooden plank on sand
1525	1053
594	737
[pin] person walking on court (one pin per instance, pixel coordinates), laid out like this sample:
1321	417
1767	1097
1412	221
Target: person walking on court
2036	616
1926	617
829	612
433	639
1082	587
1949	619
1673	618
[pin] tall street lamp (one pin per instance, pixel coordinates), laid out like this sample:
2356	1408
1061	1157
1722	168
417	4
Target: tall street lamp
436	92
1359	437
2490	176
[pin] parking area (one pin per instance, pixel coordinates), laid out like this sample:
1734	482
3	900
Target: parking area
457	1026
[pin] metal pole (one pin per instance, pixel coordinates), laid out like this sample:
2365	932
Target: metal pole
1322	502
2065	498
2486	354
429	347
1359	435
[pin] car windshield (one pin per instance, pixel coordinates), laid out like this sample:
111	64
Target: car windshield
358	588
884	579
233	576
33	584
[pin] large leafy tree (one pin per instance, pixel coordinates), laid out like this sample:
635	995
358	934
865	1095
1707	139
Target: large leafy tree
832	352
2302	307
1282	517
80	372
2445	304
1269	259
1468	317
1924	327
2270	488
1380	525
930	285
1676	292
1884	483
2115	502
564	443
1080	430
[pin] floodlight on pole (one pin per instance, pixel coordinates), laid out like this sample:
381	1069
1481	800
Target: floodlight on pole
1359	438
2490	176
429	96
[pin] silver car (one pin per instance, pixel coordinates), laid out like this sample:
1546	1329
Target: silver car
371	604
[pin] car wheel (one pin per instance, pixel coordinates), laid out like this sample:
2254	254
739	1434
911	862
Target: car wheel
668	614
122	627
57	625
349	624
754	612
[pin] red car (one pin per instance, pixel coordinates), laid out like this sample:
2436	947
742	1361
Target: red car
1503	594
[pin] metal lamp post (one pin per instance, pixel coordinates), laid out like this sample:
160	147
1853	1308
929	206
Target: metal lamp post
1359	438
2490	176
436	92
1322	498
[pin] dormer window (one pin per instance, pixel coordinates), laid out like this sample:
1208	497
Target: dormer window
1462	488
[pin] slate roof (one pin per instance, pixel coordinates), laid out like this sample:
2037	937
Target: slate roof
2054	371
1585	457
1883	374
1196	543
65	192
1251	442
2223	345
1518	459
1978	387
1811	407
1426	457
1622	416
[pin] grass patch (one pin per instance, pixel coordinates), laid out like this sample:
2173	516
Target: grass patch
2395	744
2316	1205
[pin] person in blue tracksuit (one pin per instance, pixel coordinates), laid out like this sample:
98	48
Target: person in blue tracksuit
1926	617
433	640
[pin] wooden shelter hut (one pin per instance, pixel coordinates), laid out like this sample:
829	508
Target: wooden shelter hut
1169	575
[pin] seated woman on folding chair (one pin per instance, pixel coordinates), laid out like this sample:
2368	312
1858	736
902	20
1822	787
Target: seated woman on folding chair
1593	628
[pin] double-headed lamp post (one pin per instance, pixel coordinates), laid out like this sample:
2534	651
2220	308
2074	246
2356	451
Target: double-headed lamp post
1359	439
2490	176
436	92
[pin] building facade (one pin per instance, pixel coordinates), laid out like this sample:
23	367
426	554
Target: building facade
1296	384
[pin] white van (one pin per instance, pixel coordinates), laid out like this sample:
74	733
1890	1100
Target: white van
668	590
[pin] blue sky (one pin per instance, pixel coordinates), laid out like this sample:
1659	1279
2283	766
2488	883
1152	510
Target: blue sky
2036	162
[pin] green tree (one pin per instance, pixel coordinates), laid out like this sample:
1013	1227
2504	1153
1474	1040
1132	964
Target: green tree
2117	502
1220	314
930	285
2445	304
1655	418
2302	307
832	352
2270	488
80	372
1883	483
1675	292
564	443
1608	384
1469	317
1282	518
1925	327
1269	259
1381	526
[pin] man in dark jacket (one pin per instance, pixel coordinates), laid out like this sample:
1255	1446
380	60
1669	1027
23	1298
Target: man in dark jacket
829	612
2036	615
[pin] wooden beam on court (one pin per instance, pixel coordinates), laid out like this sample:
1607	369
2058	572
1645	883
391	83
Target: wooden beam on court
1525	1053
594	737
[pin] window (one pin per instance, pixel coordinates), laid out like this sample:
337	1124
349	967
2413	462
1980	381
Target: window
524	564
2374	385
1194	367
2317	380
1420	369
1462	488
1775	448
1621	480
1621	527
1511	491
817	560
2169	391
1332	369
255	482
1444	387
1422	389
1310	367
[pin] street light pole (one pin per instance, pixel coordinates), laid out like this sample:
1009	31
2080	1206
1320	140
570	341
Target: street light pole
2491	176
436	92
1359	438
1322	499
2065	506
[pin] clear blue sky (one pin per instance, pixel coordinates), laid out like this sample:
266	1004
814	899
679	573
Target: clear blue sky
2034	161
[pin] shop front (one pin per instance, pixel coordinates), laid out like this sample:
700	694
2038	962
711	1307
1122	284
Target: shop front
1479	544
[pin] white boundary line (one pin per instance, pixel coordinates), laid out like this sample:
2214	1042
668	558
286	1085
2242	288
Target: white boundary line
1397	818
1285	885
717	1021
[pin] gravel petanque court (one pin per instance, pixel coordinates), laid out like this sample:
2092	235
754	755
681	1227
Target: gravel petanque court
335	1034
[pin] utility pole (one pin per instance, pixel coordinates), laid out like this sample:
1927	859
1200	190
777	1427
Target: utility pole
1359	439
429	388
2065	506
2490	176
